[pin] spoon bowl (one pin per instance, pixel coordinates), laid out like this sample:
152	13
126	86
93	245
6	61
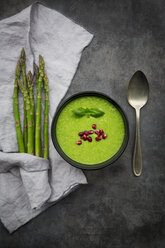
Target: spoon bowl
138	90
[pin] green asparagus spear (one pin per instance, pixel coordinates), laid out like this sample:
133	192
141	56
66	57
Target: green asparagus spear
38	151
23	66
16	110
35	79
46	112
30	144
31	98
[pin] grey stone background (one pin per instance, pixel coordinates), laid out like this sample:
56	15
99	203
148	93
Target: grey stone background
116	209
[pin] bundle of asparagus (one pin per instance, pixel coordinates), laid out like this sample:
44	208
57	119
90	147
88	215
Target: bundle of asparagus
30	140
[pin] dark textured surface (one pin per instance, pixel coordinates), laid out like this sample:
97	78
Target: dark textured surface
115	210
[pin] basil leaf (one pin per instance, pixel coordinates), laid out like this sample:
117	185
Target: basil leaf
96	112
80	111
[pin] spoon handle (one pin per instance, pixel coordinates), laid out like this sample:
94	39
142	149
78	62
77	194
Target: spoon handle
137	155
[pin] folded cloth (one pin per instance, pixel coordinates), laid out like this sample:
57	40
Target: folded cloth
25	187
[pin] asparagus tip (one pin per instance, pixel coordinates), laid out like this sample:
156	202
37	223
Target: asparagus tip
45	81
23	53
41	61
36	69
45	77
18	69
40	57
29	76
30	79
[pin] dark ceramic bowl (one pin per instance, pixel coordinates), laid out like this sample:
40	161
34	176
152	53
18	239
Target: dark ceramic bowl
73	162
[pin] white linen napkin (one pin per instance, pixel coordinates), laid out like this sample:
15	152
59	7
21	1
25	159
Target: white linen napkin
25	187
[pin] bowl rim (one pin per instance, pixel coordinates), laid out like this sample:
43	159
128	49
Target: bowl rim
74	163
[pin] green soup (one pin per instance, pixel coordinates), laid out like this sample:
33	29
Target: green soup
68	127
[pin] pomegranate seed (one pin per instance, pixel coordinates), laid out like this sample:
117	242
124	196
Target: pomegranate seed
104	136
94	126
86	133
81	133
90	139
79	142
101	131
84	137
90	132
98	138
97	132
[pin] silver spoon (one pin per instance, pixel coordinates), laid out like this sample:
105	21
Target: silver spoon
138	93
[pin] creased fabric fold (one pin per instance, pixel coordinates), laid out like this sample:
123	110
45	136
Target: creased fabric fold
28	184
